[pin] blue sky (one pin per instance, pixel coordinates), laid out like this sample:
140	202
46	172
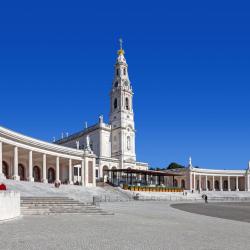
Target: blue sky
189	63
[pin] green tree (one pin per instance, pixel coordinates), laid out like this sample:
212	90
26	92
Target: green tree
174	165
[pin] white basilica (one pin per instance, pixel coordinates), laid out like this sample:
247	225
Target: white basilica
89	155
112	143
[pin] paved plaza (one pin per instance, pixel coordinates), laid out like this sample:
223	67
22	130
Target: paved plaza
135	225
239	211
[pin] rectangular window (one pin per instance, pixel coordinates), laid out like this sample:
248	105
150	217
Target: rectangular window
96	173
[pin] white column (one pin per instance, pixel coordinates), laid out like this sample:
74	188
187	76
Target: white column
190	181
228	182
194	182
15	175
57	169
70	171
200	182
206	183
86	172
221	189
82	167
237	183
45	169
213	184
30	176
2	176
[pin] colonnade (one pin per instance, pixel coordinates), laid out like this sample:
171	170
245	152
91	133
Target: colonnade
86	163
209	182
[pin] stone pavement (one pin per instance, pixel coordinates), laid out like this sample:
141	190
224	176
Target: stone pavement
135	225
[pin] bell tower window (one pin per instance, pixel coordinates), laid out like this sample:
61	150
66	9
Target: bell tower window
127	103
115	103
124	71
116	84
117	72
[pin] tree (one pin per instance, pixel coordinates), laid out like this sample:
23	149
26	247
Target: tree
174	165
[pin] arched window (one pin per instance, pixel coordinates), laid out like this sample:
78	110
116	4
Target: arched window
124	71
128	143
115	103
117	72
116	84
127	103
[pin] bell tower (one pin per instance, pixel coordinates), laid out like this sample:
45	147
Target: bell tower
121	112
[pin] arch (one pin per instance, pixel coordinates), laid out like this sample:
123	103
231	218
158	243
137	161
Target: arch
175	183
208	185
51	175
127	103
37	174
105	173
6	169
182	183
216	185
21	172
225	185
115	103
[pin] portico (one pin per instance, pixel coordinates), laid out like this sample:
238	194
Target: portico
218	180
28	159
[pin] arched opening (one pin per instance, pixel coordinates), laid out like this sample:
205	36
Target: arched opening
36	174
124	71
216	185
6	169
127	103
21	172
116	84
115	103
225	185
175	183
208	185
105	173
51	175
182	183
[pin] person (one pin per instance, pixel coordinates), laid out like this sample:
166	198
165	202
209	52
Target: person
205	198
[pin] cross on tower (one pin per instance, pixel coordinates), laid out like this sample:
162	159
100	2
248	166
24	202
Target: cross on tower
120	40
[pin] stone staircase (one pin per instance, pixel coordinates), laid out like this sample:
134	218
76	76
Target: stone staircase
57	205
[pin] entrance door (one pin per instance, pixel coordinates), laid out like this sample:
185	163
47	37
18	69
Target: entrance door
21	172
51	175
36	174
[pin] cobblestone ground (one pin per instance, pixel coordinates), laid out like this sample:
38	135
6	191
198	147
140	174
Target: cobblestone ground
135	225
